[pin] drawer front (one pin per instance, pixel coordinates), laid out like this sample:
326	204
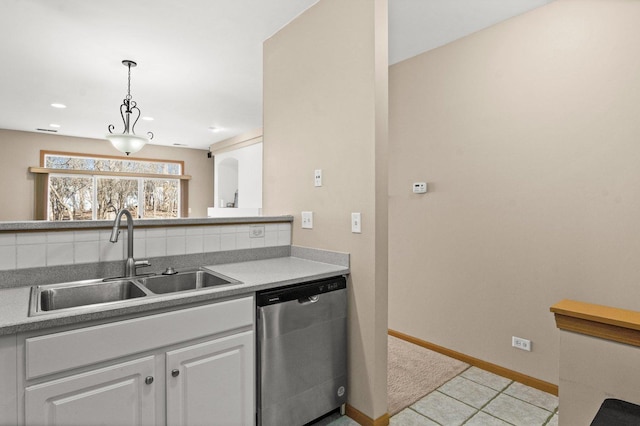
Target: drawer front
67	350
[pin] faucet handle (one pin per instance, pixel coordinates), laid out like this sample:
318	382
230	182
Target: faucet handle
142	263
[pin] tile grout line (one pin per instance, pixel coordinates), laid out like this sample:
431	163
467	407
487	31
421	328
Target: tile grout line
483	384
489	402
552	416
502	392
477	410
442	393
499	392
512	396
546	422
532	404
422	415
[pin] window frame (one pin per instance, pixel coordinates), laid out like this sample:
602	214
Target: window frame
41	179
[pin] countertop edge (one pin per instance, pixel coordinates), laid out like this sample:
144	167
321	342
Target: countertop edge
43	225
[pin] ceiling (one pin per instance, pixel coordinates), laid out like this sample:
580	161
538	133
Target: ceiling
199	61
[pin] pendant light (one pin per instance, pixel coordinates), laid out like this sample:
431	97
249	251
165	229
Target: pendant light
127	141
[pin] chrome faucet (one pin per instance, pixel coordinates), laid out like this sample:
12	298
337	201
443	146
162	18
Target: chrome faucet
130	264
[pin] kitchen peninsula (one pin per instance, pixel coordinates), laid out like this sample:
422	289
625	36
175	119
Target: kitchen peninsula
138	352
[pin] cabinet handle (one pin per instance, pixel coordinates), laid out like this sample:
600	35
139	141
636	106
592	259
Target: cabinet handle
148	380
175	373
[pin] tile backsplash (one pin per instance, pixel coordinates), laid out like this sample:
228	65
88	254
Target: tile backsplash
20	250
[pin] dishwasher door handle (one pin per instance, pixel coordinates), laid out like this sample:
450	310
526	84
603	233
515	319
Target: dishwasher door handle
309	300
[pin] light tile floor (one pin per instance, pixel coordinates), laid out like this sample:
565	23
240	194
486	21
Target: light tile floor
475	398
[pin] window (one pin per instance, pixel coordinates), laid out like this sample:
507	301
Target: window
70	198
113	194
66	161
161	198
81	187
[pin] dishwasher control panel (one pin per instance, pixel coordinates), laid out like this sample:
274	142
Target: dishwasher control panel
298	291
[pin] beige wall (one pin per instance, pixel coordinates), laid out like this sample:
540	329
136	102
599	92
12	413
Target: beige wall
21	150
591	370
528	134
325	107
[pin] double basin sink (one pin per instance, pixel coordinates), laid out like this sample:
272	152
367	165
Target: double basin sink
83	294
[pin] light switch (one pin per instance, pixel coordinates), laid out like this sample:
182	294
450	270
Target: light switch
317	177
307	220
356	223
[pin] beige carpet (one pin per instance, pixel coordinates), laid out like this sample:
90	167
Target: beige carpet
414	371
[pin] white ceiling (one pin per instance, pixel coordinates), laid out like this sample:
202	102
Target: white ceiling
199	61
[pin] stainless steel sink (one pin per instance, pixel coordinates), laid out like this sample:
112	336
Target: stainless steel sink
183	281
87	294
64	296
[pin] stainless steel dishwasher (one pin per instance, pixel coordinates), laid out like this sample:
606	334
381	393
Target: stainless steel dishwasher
302	352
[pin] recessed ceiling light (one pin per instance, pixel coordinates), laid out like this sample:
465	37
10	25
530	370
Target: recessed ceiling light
58	105
54	125
147	118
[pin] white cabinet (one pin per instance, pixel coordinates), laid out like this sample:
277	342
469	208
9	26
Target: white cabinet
8	380
122	394
192	366
211	380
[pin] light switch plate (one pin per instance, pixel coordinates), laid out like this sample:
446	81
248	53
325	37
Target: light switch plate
307	220
356	223
317	177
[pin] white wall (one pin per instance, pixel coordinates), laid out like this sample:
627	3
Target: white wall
592	369
249	177
226	180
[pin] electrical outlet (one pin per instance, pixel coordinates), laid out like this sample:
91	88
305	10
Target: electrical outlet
256	231
307	220
317	177
520	343
419	187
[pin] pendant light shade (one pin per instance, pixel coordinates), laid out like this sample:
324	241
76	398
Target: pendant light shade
127	141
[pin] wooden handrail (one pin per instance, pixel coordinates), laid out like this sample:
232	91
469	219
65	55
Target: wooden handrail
605	322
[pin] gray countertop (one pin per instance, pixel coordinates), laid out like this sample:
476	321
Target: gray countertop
253	276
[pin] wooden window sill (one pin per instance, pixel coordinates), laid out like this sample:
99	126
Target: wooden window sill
44	170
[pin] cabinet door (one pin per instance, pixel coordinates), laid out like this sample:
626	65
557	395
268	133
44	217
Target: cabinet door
8	381
212	383
115	395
